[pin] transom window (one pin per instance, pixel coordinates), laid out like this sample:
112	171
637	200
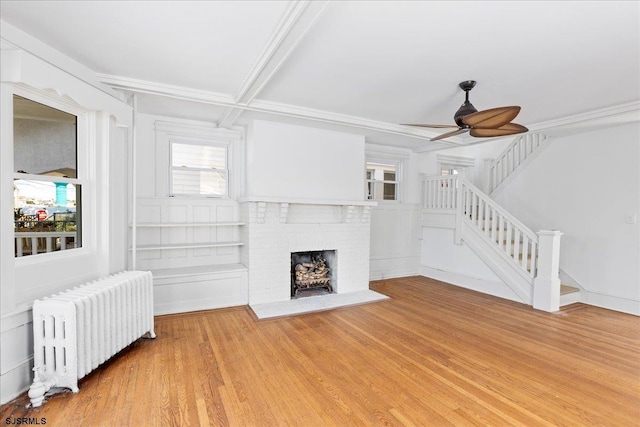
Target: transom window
448	171
198	169
382	181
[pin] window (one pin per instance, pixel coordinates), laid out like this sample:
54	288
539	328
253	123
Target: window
448	171
46	189
382	181
198	169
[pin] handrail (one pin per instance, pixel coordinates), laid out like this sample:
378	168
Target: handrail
512	157
511	237
530	233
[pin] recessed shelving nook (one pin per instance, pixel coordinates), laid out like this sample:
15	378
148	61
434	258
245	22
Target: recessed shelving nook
191	244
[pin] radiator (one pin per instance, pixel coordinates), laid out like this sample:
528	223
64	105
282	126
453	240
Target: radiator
77	330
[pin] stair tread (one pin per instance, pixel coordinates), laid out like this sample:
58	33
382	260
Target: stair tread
565	289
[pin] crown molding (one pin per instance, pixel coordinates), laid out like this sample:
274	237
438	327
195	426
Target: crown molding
14	38
257	105
607	116
624	113
170	91
343	119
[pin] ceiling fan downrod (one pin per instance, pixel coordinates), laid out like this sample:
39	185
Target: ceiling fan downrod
467	107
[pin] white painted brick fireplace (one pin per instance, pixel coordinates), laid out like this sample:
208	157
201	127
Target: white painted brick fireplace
276	228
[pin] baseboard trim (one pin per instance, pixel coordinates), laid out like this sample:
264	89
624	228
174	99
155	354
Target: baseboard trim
610	302
497	289
16	380
394	273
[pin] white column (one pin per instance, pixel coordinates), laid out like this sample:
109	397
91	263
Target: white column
546	285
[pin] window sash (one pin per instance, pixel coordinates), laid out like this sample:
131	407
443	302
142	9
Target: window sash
373	185
189	180
78	178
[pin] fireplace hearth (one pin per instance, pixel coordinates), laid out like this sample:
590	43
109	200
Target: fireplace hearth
312	273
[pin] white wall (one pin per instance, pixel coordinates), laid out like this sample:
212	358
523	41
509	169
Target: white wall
296	162
444	260
586	185
28	278
395	225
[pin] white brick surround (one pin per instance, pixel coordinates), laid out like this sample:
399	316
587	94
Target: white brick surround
276	229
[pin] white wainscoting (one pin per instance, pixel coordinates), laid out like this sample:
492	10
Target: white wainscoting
16	353
395	240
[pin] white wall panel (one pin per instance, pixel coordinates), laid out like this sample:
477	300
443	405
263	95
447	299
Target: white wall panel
296	162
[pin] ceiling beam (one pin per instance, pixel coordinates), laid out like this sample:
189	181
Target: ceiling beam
214	98
296	22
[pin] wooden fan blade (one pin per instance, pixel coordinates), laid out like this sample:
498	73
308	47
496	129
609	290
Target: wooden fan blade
429	126
492	118
448	134
508	129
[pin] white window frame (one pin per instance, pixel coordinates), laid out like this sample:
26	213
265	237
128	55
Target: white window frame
207	143
457	164
398	164
85	170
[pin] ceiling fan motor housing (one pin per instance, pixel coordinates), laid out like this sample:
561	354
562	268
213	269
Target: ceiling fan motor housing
464	110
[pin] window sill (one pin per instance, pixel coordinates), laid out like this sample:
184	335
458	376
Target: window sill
29	260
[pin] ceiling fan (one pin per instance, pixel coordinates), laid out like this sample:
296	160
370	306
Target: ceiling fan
481	124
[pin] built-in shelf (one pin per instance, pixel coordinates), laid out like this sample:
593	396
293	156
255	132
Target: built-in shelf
308	201
186	245
197	270
187	224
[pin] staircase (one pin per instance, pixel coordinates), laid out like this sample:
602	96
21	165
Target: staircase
526	261
569	295
519	153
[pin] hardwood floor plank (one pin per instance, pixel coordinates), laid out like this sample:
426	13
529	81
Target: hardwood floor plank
432	355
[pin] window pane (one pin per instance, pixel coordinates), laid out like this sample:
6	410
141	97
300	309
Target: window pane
389	192
198	156
377	188
46	217
185	181
44	139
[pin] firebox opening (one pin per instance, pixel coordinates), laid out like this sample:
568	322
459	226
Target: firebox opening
313	273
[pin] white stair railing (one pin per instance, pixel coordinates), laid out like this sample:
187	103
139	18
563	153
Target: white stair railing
439	192
511	237
525	260
513	156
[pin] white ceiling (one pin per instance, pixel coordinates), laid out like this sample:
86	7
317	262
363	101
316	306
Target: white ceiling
360	66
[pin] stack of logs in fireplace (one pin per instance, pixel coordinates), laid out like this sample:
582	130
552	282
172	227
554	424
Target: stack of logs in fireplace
314	274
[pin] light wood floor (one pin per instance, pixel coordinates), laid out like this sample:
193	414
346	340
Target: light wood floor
432	355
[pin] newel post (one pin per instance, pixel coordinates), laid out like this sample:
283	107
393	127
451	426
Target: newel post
546	285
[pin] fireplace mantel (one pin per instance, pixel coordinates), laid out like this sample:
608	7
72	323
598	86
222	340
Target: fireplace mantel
307	201
350	210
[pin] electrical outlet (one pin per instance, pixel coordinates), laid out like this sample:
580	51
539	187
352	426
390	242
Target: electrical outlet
631	218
